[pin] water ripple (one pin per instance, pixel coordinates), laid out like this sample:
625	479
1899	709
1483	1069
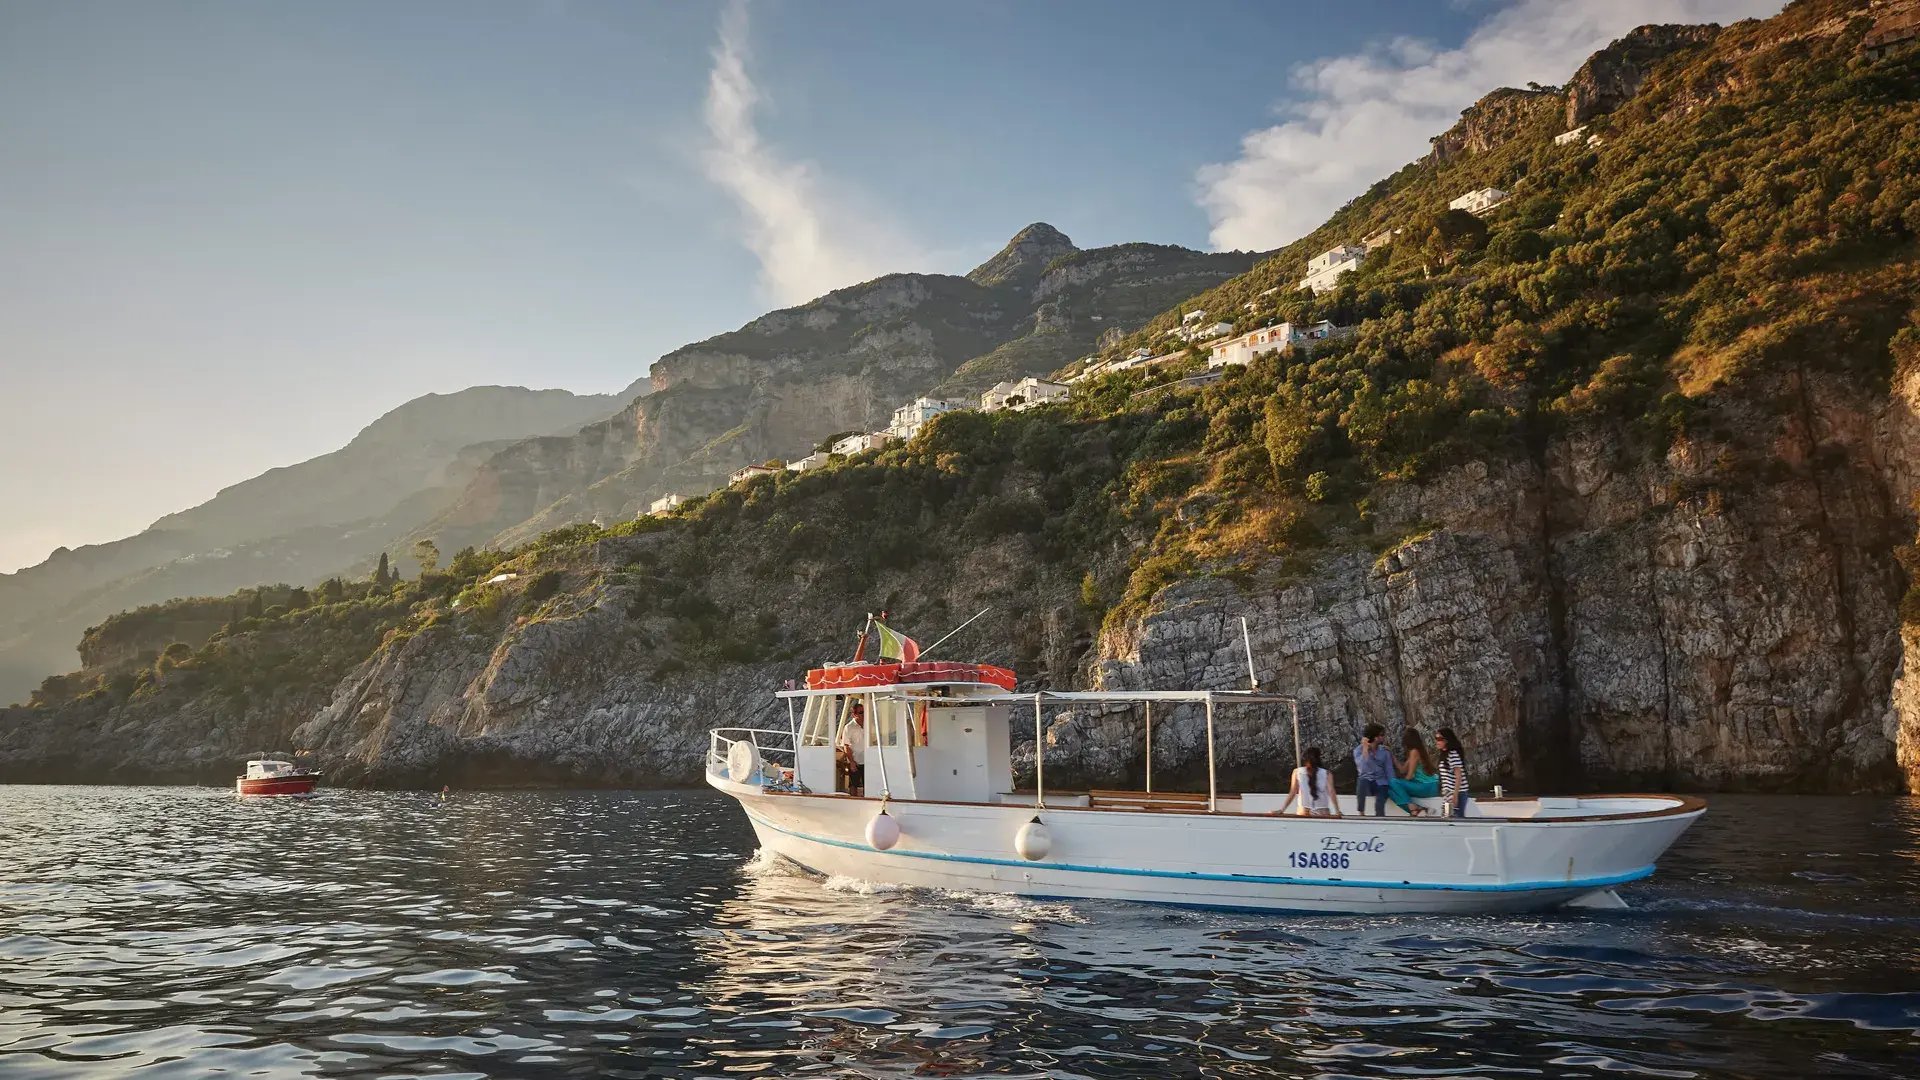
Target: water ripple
618	934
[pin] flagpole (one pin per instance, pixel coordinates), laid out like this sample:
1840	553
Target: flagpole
950	633
860	646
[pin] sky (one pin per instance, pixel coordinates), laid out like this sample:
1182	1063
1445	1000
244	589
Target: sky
232	234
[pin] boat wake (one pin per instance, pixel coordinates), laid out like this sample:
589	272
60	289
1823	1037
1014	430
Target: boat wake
766	864
1706	905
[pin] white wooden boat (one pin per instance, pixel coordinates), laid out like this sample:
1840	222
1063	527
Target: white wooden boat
940	810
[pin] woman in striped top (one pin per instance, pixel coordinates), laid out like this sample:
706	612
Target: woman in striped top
1453	771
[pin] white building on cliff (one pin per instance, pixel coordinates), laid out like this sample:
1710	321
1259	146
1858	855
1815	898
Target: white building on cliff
1024	394
1324	269
1283	338
908	419
863	442
1479	201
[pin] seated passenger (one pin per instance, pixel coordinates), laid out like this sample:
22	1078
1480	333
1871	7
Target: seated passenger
1313	788
1417	779
1373	765
1453	772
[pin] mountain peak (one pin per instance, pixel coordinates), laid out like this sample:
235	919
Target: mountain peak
1025	257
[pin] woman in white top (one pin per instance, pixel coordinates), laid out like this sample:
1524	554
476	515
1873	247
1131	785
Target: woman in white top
1312	788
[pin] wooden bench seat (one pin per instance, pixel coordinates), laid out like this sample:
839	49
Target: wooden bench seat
1141	800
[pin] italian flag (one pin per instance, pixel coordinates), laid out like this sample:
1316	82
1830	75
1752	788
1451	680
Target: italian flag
895	645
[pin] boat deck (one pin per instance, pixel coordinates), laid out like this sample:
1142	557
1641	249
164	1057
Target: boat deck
1597	807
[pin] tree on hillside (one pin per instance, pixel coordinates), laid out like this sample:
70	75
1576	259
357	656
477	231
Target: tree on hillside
383	574
298	599
256	606
1450	234
427	554
332	590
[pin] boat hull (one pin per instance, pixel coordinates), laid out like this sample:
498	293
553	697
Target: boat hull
277	785
1256	862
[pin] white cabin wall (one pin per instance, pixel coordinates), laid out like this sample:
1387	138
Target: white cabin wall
999	751
814	768
955	765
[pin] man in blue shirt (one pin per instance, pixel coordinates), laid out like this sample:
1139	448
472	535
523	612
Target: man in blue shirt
1374	762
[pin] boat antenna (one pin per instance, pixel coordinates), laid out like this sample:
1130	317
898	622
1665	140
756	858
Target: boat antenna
1246	638
950	633
1293	704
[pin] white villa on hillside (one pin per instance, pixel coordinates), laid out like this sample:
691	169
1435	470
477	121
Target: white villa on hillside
908	419
1024	394
809	463
1283	338
665	504
1479	201
1324	269
863	442
1566	137
1149	360
752	471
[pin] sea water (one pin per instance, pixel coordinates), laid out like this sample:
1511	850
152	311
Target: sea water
159	932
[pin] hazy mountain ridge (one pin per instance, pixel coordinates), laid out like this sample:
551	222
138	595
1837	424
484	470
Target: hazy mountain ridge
779	384
294	523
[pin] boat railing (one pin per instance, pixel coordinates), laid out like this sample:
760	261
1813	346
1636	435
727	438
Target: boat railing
772	754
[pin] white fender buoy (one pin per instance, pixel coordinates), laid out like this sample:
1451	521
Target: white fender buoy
883	831
743	762
1033	841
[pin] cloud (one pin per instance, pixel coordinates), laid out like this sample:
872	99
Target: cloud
808	242
1361	117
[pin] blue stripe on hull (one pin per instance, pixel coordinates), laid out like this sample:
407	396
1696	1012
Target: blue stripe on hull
1249	879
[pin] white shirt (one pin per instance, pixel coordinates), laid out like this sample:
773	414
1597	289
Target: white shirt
853	736
1308	802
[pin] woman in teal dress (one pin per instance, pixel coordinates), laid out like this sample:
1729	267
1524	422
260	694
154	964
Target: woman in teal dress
1417	780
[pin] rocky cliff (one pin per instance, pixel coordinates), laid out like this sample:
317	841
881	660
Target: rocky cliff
1500	116
1613	76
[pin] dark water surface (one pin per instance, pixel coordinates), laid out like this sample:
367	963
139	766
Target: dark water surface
161	932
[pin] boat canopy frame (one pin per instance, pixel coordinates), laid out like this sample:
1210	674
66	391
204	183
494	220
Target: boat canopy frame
1039	699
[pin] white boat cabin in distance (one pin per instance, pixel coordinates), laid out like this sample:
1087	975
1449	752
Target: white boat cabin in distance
939	808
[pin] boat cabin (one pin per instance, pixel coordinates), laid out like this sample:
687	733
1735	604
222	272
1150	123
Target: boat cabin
922	730
266	768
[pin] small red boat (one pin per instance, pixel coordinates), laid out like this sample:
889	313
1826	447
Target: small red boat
276	776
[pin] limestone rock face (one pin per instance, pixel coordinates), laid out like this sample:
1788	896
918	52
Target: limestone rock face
1493	120
1611	77
1025	258
1576	620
